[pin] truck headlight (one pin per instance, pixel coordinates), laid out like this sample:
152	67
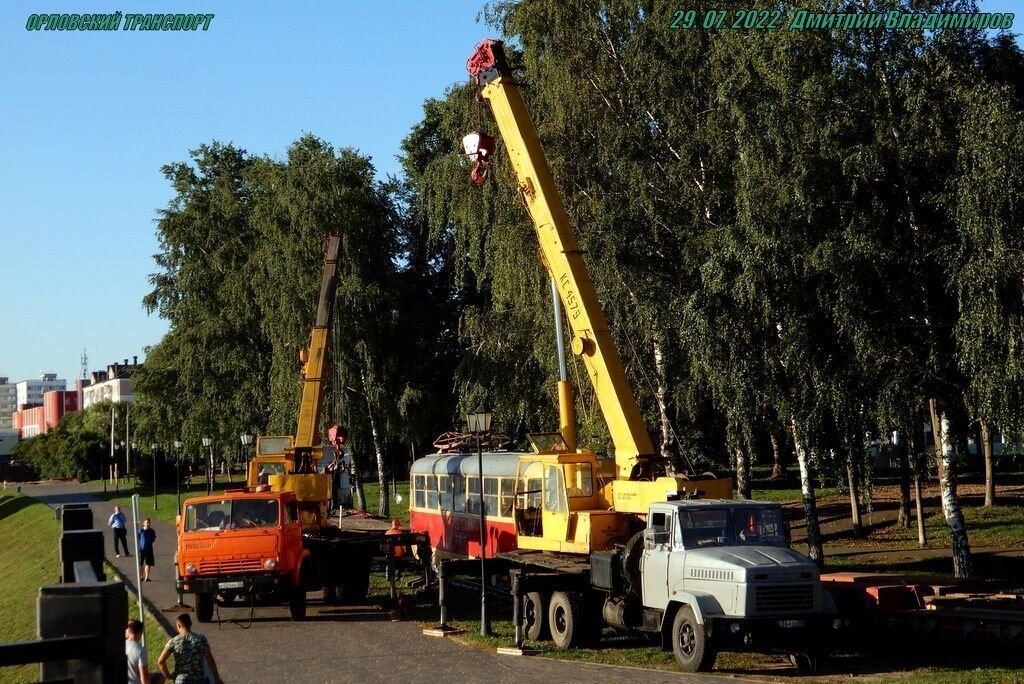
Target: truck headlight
270	564
190	569
735	628
837	623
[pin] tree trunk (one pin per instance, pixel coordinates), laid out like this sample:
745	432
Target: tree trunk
902	452
814	547
778	470
384	503
357	483
851	479
742	473
660	392
922	536
963	564
986	447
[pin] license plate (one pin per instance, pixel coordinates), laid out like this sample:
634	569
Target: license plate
792	624
230	585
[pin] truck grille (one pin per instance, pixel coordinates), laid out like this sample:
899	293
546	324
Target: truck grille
224	567
784	598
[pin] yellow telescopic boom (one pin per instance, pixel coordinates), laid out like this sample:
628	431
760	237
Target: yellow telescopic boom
314	357
591	338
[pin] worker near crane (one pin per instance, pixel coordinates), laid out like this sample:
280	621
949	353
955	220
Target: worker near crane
341	467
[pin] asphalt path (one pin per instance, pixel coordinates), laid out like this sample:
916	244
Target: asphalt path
334	643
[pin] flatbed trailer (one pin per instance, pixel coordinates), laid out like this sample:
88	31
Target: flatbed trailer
927	609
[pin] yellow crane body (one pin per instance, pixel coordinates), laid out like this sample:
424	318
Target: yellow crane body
640	477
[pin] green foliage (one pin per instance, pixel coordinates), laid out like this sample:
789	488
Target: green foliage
74	448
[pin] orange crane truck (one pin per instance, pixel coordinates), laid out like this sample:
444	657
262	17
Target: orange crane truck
273	538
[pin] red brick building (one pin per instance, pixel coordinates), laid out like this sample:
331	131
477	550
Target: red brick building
30	421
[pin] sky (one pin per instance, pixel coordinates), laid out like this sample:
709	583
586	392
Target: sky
88	118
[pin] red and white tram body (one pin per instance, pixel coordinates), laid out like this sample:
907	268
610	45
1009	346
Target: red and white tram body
554	500
445	502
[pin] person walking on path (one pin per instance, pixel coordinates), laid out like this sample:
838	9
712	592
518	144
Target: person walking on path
189	650
147	535
119	524
138	658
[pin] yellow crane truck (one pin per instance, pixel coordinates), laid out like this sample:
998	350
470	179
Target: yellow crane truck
629	546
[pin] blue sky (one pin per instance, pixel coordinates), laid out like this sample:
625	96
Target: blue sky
88	118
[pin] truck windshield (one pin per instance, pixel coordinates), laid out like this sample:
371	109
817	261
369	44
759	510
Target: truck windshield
711	526
759	526
705	526
231	514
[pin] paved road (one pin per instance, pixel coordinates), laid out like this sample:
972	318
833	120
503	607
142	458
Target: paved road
352	643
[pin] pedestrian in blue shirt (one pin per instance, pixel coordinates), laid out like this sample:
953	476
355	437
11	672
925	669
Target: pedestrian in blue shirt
119	523
147	535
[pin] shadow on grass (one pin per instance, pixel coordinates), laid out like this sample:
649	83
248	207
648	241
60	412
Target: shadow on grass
9	505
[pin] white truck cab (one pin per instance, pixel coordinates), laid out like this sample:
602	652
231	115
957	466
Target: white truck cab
718	574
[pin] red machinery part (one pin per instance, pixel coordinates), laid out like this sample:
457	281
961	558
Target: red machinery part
483	57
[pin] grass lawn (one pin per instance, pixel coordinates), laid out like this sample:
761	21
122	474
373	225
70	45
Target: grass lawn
784	495
26	523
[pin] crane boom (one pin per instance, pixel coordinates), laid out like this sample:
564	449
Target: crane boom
314	357
562	257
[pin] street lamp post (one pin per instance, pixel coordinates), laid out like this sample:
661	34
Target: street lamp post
246	440
208	443
479	424
117	477
177	466
152	450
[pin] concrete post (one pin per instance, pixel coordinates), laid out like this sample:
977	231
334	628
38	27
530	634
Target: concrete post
87	609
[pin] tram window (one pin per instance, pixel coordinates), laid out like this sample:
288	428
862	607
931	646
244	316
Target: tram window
505	501
458	494
419	495
473	497
554	491
579	480
491	495
444	492
431	486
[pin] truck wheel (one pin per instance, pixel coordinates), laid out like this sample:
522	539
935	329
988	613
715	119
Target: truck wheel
809	663
332	594
631	564
690	642
356	589
564	619
204	607
297	603
534	614
356	586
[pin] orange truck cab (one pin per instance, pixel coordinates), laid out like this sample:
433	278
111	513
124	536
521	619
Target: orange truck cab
241	544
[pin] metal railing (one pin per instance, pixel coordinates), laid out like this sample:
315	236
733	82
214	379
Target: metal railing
80	621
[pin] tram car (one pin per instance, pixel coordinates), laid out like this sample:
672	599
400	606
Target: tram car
445	501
